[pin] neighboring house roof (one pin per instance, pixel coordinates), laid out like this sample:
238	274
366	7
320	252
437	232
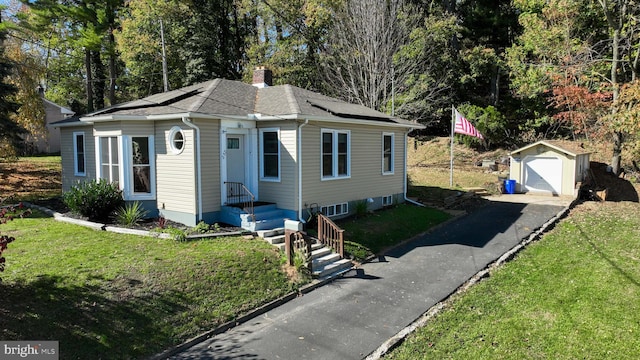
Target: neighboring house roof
229	98
63	110
565	146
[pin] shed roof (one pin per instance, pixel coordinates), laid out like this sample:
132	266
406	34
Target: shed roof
572	148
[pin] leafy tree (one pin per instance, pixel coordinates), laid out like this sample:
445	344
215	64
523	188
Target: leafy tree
288	37
139	45
214	42
27	72
81	29
427	90
489	121
10	130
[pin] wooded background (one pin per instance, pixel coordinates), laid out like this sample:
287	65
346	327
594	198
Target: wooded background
520	70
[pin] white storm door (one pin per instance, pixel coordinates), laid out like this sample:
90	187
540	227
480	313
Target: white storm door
235	158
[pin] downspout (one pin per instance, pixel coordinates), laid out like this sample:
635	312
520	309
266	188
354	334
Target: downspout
300	217
406	137
190	124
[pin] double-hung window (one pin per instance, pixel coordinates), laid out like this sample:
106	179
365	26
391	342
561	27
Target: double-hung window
336	154
109	159
79	154
270	154
387	153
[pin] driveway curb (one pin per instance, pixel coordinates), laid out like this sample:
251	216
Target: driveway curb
421	321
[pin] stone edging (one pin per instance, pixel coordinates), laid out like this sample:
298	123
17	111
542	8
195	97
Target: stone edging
96	226
399	338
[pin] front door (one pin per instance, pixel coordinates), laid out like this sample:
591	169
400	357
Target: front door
235	158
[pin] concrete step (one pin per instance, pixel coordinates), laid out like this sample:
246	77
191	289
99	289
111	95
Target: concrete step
273	240
318	253
332	269
265	233
324	260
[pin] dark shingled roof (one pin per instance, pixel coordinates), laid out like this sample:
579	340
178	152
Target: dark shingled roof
234	98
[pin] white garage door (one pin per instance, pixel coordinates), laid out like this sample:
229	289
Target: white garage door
543	174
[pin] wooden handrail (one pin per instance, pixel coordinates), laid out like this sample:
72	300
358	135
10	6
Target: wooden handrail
330	234
298	242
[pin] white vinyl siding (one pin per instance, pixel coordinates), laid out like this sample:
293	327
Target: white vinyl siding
209	164
366	179
79	154
67	150
284	192
175	173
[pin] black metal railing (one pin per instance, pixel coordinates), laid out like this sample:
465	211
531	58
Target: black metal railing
239	195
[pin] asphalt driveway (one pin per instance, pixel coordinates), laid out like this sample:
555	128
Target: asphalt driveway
352	316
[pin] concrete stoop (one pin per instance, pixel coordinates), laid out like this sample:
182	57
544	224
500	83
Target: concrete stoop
324	262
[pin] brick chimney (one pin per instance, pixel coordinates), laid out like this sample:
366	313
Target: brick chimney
262	77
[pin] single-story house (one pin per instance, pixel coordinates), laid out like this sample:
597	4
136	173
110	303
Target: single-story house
191	154
549	166
49	142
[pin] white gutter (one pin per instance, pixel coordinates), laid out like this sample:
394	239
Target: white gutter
406	136
340	120
190	124
300	170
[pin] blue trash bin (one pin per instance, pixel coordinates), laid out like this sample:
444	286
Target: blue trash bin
510	186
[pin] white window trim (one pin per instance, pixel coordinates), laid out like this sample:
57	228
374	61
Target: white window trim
387	200
171	137
261	156
335	155
343	206
384	171
75	153
127	166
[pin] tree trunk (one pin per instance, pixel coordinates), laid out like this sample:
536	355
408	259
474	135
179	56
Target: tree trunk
112	68
616	159
87	64
99	80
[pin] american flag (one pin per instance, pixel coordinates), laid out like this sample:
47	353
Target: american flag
463	126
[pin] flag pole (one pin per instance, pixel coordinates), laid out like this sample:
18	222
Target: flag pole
453	124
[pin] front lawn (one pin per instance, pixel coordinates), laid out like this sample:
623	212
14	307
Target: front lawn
572	295
374	232
111	296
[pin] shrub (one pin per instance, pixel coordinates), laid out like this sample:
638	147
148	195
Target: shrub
96	200
131	214
7	214
202	227
361	208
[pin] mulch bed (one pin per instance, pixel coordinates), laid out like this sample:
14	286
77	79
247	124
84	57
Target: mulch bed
56	204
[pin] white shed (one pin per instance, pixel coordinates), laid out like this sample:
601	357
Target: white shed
549	166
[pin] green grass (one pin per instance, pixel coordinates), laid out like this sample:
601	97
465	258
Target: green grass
573	295
113	296
375	232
